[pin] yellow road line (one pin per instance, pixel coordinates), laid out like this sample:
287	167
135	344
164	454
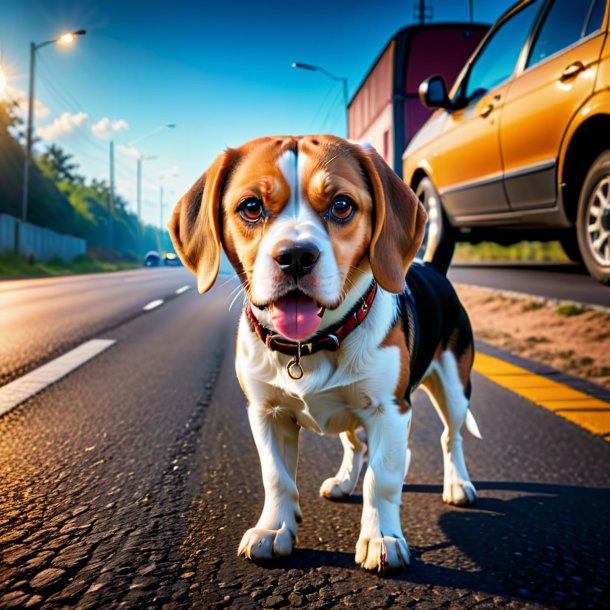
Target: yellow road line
591	413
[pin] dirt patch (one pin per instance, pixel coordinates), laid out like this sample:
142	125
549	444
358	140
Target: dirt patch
571	338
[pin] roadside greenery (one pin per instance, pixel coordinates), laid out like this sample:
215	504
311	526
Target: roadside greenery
532	251
65	201
12	265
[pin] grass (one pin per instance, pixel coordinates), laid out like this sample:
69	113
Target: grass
570	310
533	306
12	265
531	251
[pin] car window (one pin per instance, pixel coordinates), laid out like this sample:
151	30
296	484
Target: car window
565	23
496	62
596	17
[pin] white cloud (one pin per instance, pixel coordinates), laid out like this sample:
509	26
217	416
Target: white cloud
21	97
129	151
63	125
120	125
104	127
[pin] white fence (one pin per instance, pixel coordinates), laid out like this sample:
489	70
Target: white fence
43	244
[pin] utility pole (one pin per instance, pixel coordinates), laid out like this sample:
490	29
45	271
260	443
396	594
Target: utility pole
63	39
139	193
111	198
423	12
471	3
28	145
160	218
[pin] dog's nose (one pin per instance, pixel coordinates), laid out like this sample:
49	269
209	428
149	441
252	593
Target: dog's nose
296	259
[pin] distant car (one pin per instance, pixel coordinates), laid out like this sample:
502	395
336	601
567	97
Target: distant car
152	259
171	260
520	147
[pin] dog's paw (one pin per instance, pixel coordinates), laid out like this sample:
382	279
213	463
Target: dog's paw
258	543
459	493
335	488
387	554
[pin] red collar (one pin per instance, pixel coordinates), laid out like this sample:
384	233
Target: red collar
330	339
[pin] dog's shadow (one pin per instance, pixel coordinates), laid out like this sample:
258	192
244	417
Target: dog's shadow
535	542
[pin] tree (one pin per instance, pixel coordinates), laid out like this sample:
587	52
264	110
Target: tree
57	164
15	124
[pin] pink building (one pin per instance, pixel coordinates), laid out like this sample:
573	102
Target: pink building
385	110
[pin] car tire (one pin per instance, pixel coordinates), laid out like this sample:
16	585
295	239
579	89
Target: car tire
569	244
593	219
439	239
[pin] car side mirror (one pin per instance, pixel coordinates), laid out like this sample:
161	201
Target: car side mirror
433	93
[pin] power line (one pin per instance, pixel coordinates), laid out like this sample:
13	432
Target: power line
335	107
315	118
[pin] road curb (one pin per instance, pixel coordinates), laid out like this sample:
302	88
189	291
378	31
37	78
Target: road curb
525	296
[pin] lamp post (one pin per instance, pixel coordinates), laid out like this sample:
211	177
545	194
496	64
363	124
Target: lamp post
139	179
340	79
63	39
145	158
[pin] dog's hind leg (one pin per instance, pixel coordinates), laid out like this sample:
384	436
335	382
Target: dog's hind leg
344	482
448	395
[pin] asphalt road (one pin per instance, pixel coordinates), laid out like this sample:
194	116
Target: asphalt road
130	482
567	282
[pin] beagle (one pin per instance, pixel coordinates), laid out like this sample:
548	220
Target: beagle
322	234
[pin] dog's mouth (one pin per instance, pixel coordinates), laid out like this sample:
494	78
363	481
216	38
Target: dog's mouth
296	316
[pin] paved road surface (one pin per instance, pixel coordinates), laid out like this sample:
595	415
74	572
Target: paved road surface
130	482
556	281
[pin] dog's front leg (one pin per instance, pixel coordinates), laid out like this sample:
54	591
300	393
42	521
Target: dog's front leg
276	435
381	545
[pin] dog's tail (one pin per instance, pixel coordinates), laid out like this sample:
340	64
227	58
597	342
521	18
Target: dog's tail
472	426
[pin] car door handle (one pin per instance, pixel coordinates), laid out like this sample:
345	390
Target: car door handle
486	110
572	70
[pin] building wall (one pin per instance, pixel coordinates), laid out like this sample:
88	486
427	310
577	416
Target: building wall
380	133
374	95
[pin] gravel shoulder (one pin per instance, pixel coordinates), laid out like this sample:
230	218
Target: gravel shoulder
569	337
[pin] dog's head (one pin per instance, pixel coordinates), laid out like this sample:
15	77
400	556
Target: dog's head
299	218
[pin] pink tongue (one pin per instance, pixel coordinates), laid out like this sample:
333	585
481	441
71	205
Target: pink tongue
296	316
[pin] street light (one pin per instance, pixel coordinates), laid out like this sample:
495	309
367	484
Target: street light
139	185
145	158
150	133
64	39
340	79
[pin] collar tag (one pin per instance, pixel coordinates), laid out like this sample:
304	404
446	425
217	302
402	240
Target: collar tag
294	368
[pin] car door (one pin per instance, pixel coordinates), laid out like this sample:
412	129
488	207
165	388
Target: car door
468	163
559	69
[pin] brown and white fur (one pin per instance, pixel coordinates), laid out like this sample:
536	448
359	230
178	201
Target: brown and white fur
363	384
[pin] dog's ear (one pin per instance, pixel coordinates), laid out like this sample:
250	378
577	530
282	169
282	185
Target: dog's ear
398	226
195	224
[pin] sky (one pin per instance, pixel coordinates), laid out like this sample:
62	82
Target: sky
219	71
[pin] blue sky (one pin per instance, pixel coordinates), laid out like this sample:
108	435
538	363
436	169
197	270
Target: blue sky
220	71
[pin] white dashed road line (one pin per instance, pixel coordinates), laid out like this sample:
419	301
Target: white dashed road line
16	392
153	305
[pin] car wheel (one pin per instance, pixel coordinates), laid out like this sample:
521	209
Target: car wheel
439	239
593	219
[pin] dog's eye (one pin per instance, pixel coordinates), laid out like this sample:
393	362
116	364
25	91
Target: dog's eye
341	209
251	209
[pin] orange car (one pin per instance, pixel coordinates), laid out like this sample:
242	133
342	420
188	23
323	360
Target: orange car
520	147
